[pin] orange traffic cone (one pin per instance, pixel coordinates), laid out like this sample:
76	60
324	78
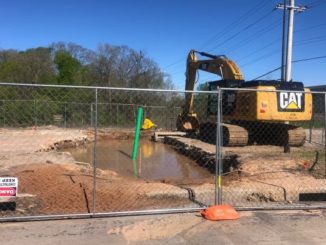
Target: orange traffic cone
220	212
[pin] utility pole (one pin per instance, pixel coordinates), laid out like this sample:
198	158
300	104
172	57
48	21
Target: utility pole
287	67
283	43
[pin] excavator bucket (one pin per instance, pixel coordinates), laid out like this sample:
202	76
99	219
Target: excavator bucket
220	212
188	123
148	124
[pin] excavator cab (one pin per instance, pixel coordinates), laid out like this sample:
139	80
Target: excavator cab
228	96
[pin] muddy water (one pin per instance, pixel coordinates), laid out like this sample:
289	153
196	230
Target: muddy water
156	161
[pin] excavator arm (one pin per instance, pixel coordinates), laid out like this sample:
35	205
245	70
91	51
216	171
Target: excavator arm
220	65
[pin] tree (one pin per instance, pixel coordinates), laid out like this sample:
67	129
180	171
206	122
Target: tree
69	63
30	66
39	65
68	68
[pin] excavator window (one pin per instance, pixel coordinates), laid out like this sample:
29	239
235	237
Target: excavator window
228	96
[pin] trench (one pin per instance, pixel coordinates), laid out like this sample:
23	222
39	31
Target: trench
156	161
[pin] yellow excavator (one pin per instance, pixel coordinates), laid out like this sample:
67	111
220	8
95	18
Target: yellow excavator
249	117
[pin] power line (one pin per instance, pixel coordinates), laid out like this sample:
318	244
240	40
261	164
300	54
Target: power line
270	28
174	63
303	42
177	72
310	28
239	21
267	55
311	40
312	58
277	39
294	61
316	3
276	51
267	73
225	30
261	49
273	52
228	39
233	25
244	29
255	35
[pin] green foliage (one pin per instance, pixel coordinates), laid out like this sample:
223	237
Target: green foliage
18	113
72	64
30	66
201	102
68	68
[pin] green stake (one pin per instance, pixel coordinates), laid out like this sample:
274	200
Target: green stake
136	140
135	165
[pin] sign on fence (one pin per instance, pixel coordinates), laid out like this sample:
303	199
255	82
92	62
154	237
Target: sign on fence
8	187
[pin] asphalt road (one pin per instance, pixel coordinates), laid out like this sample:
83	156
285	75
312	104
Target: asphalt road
272	227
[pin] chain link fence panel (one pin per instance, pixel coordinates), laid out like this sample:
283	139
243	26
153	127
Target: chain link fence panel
70	149
40	125
282	165
166	174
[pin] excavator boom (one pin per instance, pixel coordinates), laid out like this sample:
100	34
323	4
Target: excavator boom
217	64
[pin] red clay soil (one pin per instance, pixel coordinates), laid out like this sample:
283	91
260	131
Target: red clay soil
66	189
53	187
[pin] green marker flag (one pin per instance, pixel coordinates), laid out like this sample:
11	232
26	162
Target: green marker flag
137	133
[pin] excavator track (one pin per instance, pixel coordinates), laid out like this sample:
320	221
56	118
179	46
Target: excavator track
265	133
233	135
296	136
249	133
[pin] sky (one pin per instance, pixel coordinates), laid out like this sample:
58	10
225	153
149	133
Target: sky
246	31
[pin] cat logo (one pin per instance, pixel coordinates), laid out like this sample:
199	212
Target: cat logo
291	101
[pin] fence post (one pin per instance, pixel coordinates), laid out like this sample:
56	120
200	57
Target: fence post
4	113
145	109
117	115
172	122
311	124
218	154
166	117
221	146
325	131
94	153
217	149
92	116
35	114
65	122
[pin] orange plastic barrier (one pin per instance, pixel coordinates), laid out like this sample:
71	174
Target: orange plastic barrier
220	212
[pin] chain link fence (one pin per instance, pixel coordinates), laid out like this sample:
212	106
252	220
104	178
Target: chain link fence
70	150
283	164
